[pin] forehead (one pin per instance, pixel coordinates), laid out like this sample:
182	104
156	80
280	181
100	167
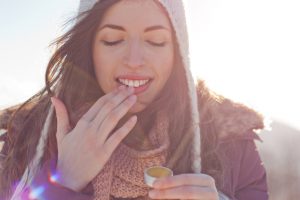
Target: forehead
136	14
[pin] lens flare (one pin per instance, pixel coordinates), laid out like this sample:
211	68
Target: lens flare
36	192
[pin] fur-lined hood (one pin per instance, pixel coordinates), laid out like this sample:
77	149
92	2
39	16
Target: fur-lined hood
229	118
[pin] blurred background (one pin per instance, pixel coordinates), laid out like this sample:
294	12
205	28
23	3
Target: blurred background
245	50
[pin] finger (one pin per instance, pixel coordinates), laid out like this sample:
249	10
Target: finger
93	111
185	192
109	106
113	118
114	140
184	179
62	117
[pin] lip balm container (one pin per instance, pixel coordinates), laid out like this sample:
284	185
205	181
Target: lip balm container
156	172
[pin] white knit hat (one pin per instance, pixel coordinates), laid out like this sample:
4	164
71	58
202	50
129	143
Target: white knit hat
175	10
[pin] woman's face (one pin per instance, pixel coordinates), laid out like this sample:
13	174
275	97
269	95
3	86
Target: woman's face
133	46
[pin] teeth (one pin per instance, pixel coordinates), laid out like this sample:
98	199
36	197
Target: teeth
136	83
133	83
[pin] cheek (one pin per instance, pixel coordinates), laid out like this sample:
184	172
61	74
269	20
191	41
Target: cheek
165	65
167	72
104	72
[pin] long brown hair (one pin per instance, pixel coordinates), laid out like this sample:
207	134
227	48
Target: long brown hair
70	72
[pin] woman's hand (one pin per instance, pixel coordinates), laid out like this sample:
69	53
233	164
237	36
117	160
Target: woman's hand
185	186
83	151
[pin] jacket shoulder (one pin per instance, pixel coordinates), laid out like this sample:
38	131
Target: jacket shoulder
229	118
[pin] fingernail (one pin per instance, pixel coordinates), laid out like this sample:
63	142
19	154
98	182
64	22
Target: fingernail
130	89
122	87
156	184
133	118
152	193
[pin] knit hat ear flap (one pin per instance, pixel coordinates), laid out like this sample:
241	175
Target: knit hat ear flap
176	13
34	165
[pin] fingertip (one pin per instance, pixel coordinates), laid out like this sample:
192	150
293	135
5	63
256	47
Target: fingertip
133	118
120	88
158	183
57	102
58	106
130	89
152	193
52	100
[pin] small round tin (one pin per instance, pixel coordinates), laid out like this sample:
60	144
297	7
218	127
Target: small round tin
156	172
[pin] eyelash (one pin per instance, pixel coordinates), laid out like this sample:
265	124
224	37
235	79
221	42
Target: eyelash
106	43
162	44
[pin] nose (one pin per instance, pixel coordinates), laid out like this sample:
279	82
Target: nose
134	57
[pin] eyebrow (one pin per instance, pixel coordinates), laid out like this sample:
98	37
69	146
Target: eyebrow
120	28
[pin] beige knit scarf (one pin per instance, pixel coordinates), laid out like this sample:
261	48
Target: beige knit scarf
123	174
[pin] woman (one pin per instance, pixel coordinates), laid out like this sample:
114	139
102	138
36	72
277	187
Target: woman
124	100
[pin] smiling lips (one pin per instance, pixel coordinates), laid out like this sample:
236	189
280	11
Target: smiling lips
139	83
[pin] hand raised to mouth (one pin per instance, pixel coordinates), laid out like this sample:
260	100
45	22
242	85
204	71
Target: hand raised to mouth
83	151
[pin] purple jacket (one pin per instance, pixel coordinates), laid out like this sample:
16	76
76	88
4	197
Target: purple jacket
244	174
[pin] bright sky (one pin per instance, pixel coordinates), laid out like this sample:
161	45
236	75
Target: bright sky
245	50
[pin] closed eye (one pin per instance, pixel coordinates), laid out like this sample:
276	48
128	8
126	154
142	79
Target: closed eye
112	43
161	44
